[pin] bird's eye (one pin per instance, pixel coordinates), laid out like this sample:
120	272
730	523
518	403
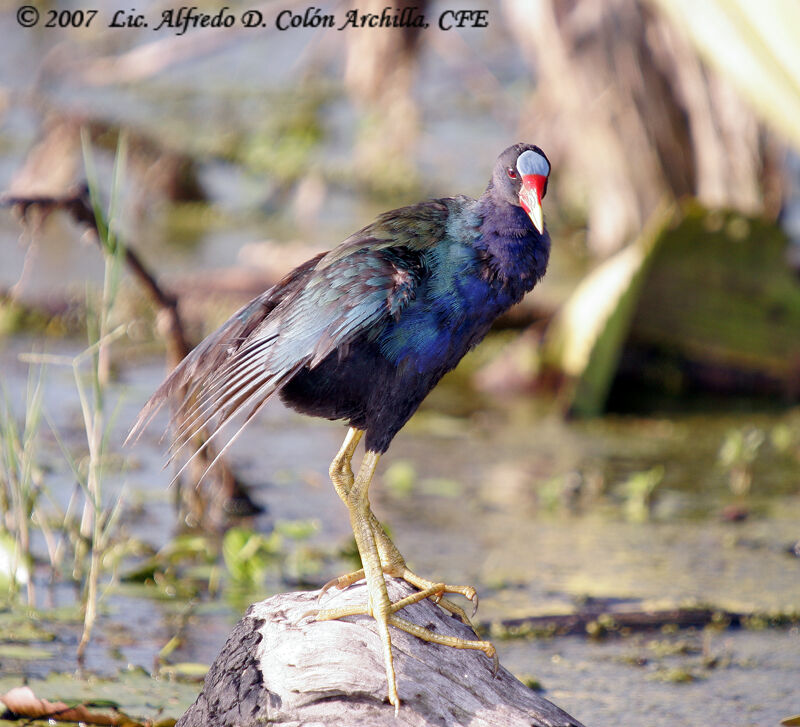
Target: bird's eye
512	173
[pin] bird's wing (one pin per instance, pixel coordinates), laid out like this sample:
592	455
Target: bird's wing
320	306
418	227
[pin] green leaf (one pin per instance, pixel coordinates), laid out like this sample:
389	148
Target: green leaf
297	529
186	669
248	555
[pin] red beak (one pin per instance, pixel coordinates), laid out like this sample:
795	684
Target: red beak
530	197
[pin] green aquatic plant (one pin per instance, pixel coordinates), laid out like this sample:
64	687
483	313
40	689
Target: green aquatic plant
286	137
86	528
737	454
21	487
400	478
249	555
638	491
98	523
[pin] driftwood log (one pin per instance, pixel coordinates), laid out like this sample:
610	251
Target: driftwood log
281	666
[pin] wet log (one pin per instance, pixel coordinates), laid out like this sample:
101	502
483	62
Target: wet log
280	665
605	622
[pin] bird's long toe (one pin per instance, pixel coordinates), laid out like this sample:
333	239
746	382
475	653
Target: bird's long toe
340	582
467	592
455	642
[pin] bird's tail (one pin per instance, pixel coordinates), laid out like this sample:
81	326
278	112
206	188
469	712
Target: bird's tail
223	376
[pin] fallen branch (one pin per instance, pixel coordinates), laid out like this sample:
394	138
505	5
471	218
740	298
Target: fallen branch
78	205
606	622
603	621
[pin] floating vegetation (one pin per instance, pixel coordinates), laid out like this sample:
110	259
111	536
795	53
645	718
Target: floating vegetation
531	682
288	135
737	454
638	493
674	675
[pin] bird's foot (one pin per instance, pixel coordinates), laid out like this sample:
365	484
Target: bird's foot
434	591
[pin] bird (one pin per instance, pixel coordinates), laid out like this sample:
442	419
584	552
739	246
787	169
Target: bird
362	333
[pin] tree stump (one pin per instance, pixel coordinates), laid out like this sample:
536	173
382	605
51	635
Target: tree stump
280	666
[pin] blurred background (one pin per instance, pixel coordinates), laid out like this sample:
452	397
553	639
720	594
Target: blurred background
626	441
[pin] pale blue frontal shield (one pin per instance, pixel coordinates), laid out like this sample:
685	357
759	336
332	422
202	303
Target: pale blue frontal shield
529	162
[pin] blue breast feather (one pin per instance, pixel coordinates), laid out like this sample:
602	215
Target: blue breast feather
425	293
451	303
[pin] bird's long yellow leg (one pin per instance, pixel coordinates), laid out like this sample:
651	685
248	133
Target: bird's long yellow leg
379	555
378	606
394	564
340	470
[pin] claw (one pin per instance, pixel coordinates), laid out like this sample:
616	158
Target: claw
474	600
311	612
341	582
330	584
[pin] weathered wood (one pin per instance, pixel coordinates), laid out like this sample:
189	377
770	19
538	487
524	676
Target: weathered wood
281	666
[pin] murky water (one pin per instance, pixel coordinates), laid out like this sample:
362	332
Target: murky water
752	683
467	499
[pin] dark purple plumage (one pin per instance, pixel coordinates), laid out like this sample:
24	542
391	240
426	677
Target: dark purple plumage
364	332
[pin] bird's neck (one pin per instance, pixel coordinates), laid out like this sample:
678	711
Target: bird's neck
516	251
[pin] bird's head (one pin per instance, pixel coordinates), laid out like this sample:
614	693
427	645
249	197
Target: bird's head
520	178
